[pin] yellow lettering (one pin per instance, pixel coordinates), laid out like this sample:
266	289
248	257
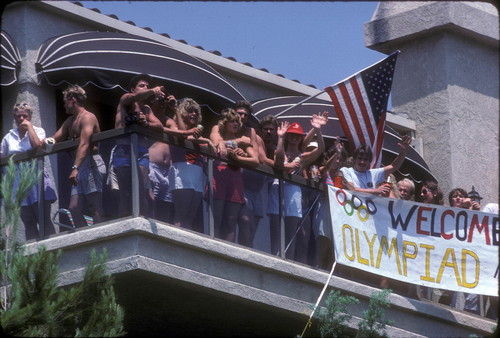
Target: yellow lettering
388	249
351	256
427	275
464	268
370	245
358	251
406	254
452	264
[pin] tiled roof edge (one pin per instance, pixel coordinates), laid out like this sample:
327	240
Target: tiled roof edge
215	52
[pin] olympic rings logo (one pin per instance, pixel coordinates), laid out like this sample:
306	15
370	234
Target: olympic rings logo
355	203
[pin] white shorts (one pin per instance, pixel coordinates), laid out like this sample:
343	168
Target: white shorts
292	198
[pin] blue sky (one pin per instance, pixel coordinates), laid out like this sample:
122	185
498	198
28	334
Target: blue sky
318	43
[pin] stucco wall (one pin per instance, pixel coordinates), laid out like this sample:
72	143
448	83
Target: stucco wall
447	81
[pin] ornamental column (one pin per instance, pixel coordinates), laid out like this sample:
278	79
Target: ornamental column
447	81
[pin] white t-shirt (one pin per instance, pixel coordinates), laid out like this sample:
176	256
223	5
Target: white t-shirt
12	143
369	179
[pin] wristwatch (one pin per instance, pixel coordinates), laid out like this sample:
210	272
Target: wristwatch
74	167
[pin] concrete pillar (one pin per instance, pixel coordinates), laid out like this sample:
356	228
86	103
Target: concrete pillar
447	81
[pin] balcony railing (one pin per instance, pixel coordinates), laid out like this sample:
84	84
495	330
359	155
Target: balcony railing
56	159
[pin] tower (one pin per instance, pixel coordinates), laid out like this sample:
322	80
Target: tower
447	81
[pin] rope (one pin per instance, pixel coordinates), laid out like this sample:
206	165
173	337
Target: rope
309	323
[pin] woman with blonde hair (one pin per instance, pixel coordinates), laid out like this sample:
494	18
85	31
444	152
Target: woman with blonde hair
186	176
228	179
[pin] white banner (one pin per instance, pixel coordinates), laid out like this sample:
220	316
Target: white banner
425	244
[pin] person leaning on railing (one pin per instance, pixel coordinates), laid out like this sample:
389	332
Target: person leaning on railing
330	174
458	198
431	193
21	139
366	180
133	110
228	184
291	155
88	170
187	180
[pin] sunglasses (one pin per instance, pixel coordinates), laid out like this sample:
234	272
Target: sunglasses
425	191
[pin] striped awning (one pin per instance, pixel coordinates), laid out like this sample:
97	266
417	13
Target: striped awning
414	167
11	60
108	60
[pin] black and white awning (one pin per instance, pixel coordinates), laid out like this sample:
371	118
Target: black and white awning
108	60
11	60
414	167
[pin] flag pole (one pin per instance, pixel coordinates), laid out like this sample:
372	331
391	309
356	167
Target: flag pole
309	323
298	104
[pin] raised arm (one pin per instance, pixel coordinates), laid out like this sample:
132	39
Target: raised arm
141	95
279	154
317	121
333	159
152	121
398	161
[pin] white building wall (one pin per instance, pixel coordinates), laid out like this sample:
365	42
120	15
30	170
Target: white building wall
447	81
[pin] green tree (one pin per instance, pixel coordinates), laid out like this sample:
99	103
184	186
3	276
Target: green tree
373	324
334	316
32	304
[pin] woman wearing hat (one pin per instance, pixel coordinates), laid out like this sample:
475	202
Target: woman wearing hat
291	156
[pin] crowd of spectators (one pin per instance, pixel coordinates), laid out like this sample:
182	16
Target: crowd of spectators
173	181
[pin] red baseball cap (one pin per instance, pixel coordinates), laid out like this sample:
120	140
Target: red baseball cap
295	128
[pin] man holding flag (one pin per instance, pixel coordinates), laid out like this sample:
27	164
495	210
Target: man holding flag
363	179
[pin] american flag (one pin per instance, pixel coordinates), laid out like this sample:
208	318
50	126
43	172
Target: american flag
361	104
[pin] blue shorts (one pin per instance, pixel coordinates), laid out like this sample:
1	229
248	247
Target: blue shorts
121	157
90	176
183	175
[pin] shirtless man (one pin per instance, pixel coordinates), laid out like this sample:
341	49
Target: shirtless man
132	109
88	167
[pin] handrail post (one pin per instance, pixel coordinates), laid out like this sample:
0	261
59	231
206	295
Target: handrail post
41	197
210	175
135	176
281	218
